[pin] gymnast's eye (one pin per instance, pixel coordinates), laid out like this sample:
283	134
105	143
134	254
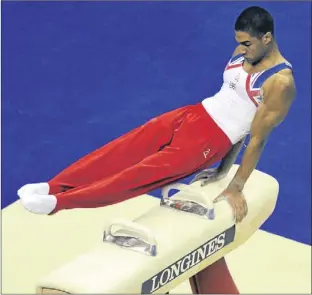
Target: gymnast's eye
246	43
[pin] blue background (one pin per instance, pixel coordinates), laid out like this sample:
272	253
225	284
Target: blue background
75	75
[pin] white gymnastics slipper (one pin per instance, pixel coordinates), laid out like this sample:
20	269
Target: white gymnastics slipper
39	204
41	188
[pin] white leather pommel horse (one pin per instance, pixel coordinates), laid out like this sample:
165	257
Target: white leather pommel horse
167	244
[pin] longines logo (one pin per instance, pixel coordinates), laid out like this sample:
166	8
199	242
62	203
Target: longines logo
188	261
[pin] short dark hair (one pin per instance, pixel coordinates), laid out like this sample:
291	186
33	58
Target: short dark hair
256	21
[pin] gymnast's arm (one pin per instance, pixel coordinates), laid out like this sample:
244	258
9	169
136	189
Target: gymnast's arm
278	93
230	158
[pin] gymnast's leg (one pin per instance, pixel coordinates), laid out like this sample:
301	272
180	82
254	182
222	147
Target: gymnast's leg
119	154
184	155
153	172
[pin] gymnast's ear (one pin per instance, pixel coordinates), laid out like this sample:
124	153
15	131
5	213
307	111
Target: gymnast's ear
267	38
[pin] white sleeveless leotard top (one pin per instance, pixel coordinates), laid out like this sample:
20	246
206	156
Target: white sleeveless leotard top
234	106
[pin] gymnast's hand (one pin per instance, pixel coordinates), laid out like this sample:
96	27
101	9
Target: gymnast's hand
237	201
207	176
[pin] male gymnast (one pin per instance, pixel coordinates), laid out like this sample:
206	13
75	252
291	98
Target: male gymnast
257	92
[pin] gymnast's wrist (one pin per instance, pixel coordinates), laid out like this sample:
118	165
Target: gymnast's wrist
236	184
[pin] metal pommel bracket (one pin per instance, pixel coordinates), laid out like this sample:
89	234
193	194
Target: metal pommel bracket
130	236
195	201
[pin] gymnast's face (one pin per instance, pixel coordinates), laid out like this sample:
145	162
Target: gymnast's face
253	48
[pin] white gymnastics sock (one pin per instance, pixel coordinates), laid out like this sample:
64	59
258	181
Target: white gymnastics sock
41	188
39	204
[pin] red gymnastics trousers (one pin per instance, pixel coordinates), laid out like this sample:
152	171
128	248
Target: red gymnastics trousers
163	150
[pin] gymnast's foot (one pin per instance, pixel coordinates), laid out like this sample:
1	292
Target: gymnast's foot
38	204
41	188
